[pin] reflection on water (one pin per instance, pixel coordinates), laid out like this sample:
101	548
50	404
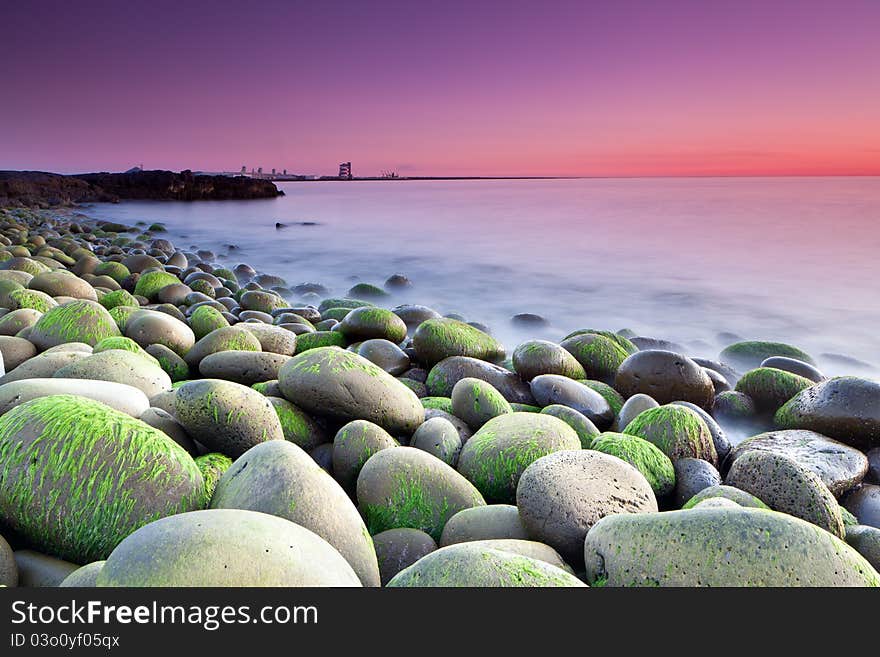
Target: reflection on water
790	259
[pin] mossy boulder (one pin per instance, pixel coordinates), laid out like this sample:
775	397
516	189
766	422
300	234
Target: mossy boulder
370	322
339	384
600	356
441	403
642	455
366	291
15	322
83	577
845	408
262	301
31	299
735	495
720	547
353	445
115	270
536	357
436	339
770	388
212	466
273	339
493	521
476	402
785	485
308	341
75	321
677	430
562	495
582	425
226	417
734	407
341	302
445	374
615	399
406	487
231	338
621	340
470	565
149	283
226	547
298	426
175	367
750	354
78	476
494	458
206	319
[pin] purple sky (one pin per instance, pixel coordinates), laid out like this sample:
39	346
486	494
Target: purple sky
622	87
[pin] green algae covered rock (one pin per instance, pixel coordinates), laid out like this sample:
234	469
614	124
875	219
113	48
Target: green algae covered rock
318	339
600	356
226	417
406	487
78	476
735	495
281	479
621	340
298	426
720	547
370	322
175	367
115	270
642	455
495	456
582	425
84	577
536	357
441	403
476	402
31	299
615	399
677	430
474	565
225	547
125	344
353	445
149	284
770	388
341	385
337	302
120	366
436	339
212	466
750	354
231	338
206	319
75	321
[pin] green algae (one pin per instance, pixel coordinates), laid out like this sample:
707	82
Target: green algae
642	455
31	299
752	353
600	356
212	466
206	319
678	431
615	399
115	270
75	321
149	283
436	339
770	388
440	403
318	339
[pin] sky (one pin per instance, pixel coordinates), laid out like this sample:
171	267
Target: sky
616	88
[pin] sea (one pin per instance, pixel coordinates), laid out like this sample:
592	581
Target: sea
696	261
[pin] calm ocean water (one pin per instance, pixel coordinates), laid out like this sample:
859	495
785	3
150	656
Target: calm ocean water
680	259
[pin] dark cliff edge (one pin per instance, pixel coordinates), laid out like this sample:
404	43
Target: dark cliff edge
41	189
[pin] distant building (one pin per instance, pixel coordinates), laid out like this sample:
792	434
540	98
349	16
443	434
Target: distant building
273	171
345	171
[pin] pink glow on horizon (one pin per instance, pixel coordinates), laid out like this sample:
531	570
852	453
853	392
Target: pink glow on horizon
457	88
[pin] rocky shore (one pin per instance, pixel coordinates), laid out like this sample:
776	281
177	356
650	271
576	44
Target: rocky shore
43	190
244	430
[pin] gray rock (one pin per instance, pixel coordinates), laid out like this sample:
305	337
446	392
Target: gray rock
691	477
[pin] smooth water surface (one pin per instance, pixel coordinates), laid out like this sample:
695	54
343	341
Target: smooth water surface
791	259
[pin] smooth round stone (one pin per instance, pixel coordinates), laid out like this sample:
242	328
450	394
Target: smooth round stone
794	366
645	457
17	320
493	521
633	550
633	406
866	541
168	424
299	428
353	445
864	504
244	367
83	577
839	466
386	355
57	284
599	355
437	339
733	407
445	374
464	431
176	294
474	565
476	402
691	477
274	339
550	389
135	475
494	458
280	479
750	354
645	343
437	436
677	430
141	262
536	357
229	338
75	321
785	485
526	548
341	385
175	367
406	487
255	316
369	322
770	388
728	493
226	547
119	366
150	327
36	570
873	475
413	315
562	495
719	438
15	351
582	425
846	408
719	383
397	549
8	567
42	365
226	417
119	396
730	375
666	376
323	456
261	300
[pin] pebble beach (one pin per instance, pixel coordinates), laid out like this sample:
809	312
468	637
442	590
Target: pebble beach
170	420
